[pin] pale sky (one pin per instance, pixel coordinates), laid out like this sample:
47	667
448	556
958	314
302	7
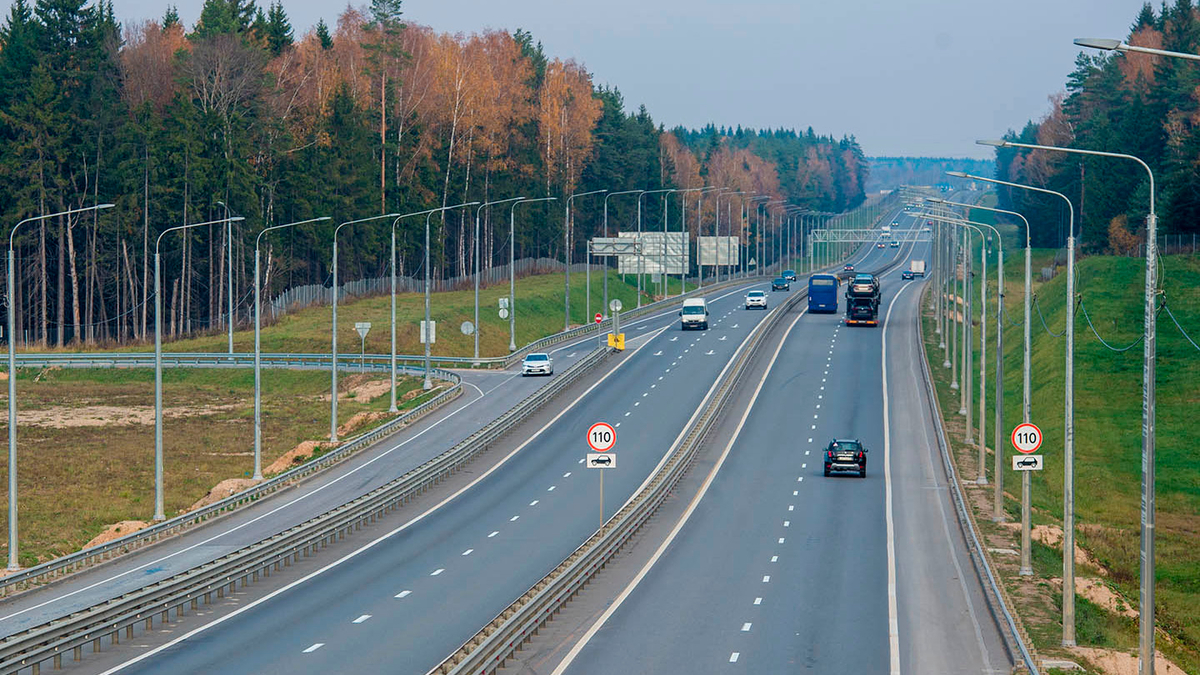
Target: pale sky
906	77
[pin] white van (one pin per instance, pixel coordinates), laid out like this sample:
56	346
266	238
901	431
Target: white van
694	314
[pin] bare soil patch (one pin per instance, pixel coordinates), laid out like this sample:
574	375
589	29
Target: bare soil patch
226	488
116	531
296	456
1114	662
66	417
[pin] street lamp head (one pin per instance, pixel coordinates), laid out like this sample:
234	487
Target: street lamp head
934	200
992	142
1098	43
101	207
959	174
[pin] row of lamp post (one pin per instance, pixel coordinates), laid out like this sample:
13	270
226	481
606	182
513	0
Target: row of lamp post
1146	600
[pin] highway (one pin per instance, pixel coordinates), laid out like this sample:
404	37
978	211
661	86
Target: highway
487	394
779	569
449	564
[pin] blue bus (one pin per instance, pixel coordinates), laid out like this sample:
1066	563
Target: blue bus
823	293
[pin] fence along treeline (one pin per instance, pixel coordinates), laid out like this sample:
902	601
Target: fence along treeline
369	117
1132	103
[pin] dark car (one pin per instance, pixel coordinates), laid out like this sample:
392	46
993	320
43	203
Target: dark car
790	275
895	244
846	455
780	284
848	267
906	275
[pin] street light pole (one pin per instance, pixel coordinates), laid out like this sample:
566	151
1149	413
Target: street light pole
257	344
512	274
477	211
229	272
641	257
333	371
392	407
567	256
429	332
13	557
159	512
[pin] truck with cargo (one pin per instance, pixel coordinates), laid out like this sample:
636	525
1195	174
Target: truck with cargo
917	267
862	300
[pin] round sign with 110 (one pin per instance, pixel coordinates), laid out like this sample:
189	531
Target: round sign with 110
601	437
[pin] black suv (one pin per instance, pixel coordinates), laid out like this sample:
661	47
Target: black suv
846	455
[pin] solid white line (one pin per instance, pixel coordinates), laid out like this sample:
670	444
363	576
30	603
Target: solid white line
687	514
314	648
893	611
403	594
362	618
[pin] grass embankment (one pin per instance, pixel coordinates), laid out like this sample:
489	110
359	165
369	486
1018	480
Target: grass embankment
1108	416
77	477
539	312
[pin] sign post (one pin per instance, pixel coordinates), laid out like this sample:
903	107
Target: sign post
601	437
363	327
1026	438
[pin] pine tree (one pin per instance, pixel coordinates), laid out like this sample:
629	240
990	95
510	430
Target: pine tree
323	34
171	17
278	29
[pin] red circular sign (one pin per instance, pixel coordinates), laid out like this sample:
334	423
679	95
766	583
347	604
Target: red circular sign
599	317
1027	438
601	437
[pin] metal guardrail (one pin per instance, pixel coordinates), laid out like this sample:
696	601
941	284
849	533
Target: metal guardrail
1014	640
73	562
51	641
503	636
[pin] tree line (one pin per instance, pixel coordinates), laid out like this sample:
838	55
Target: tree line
372	115
1130	103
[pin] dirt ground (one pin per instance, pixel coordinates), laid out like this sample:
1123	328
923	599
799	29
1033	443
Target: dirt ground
1119	663
65	417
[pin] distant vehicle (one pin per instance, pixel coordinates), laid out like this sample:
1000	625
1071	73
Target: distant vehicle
790	275
917	267
1027	461
756	299
537	363
694	314
881	245
602	460
887	231
896	223
894	244
822	293
846	455
906	275
848	267
780	284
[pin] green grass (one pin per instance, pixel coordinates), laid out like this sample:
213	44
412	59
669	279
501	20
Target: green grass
1108	418
539	312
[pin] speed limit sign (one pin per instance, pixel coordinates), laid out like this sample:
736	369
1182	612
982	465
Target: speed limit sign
1027	438
601	437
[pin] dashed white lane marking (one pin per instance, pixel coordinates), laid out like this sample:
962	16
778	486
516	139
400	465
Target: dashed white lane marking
781	540
534	502
627	414
403	594
581	461
807	451
660	377
314	648
815	417
814	427
513	519
494	533
758	601
567	474
787	523
802	466
745	628
795	493
551	488
767	579
653	386
810	440
734	657
437	571
636	403
774	558
468	551
791	507
362	619
617	424
818	407
668	369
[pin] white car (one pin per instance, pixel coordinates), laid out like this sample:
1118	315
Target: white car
537	363
756	299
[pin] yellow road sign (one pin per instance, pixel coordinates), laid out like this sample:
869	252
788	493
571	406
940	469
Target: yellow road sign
617	341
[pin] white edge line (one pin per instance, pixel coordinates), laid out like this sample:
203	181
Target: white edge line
620	599
371	544
893	611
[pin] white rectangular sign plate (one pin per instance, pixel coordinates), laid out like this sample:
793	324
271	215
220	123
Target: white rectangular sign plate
602	460
1027	462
